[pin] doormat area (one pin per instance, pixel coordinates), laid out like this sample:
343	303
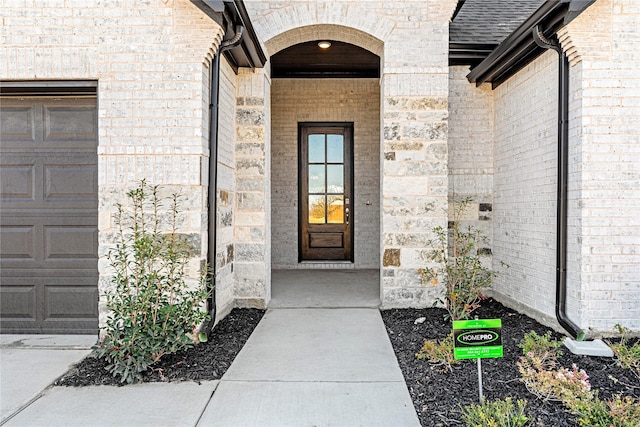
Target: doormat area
204	362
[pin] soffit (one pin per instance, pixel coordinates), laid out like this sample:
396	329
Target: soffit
341	60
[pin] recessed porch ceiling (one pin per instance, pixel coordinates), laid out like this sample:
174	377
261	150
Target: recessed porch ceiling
341	60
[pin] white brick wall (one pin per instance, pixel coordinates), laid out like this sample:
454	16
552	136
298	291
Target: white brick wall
325	100
604	171
151	63
225	239
471	124
471	128
604	47
525	185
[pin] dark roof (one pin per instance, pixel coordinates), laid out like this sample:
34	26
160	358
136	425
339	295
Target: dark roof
479	26
489	21
521	47
495	37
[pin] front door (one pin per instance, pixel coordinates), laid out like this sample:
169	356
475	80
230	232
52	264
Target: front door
326	191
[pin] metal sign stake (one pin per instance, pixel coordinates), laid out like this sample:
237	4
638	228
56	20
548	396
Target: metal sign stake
480	378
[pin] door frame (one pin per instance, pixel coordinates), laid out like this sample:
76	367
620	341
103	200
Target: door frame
301	163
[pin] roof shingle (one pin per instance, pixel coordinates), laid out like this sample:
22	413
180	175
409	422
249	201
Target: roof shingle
489	21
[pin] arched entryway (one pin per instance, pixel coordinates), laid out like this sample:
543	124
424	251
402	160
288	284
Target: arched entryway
325	161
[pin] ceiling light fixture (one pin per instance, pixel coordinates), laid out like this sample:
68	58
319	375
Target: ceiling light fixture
324	44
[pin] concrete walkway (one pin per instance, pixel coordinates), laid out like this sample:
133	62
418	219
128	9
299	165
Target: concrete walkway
302	366
325	289
314	367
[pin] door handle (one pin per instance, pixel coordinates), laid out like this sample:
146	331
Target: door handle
346	213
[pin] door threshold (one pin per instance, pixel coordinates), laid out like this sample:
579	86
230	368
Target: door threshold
346	265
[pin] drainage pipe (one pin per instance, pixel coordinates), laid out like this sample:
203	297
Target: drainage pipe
214	100
563	179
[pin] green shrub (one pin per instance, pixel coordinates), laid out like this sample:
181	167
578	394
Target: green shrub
498	413
438	353
457	253
540	351
153	310
549	383
543	377
627	355
619	412
541	345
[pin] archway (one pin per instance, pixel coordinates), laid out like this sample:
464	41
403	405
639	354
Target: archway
318	93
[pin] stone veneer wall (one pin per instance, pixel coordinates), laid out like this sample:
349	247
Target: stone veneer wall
252	232
325	100
414	186
151	62
225	239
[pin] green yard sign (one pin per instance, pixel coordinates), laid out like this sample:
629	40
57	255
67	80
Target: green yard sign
477	339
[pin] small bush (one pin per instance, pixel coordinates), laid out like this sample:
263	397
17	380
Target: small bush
153	311
541	375
624	411
498	413
438	353
627	355
542	346
457	253
547	382
619	412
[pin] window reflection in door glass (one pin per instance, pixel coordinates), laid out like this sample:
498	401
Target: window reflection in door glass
317	209
335	148
335	179
335	209
316	148
316	179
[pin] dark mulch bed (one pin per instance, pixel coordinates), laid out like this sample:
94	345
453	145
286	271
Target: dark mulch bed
437	396
206	361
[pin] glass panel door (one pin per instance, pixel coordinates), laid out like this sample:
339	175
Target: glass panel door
325	196
326	179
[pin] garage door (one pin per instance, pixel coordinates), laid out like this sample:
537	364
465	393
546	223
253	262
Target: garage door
48	215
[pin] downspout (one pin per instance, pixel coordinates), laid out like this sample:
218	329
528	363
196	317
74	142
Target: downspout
563	179
214	100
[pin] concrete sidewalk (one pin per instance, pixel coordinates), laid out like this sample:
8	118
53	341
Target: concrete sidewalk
30	363
300	367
